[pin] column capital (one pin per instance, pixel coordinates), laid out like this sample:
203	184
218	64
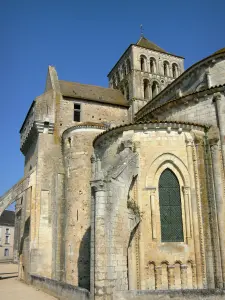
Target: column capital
98	185
183	266
213	135
151	189
186	189
171	267
217	96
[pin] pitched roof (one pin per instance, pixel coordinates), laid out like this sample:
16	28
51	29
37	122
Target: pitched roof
7	218
220	51
145	43
92	92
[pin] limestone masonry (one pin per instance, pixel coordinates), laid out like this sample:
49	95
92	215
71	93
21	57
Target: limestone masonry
123	191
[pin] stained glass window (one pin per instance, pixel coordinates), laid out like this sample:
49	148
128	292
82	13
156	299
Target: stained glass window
170	208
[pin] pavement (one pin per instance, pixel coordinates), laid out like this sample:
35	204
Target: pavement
13	289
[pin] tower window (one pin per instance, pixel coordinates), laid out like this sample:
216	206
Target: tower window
152	65
128	66
170	208
76	112
143	63
166	68
124	71
175	70
127	92
146	89
117	77
155	89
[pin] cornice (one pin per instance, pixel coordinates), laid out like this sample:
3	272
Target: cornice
143	126
184	100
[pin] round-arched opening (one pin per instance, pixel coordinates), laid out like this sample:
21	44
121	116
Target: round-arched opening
146	88
155	89
170	207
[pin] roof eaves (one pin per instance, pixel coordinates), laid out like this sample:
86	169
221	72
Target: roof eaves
163	52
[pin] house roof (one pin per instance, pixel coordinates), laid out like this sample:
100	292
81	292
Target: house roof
7	218
92	92
145	43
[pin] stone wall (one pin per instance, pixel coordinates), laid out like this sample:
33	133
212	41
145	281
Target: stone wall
91	111
176	295
202	112
60	289
77	150
127	167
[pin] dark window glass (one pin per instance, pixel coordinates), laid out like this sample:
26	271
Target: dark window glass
170	208
76	113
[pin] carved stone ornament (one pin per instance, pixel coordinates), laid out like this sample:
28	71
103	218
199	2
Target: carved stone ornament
198	137
98	185
217	96
213	135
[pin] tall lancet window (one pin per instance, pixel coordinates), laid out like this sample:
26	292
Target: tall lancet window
170	208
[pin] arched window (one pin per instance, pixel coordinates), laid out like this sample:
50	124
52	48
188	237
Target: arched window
152	65
6	252
114	82
143	63
124	71
170	208
117	77
146	89
166	68
175	70
155	89
127	92
128	66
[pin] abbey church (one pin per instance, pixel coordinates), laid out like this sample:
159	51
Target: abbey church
123	192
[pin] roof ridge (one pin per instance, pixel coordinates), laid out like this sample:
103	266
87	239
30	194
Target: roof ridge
146	43
87	84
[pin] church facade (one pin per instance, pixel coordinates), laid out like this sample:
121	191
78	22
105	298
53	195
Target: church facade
123	189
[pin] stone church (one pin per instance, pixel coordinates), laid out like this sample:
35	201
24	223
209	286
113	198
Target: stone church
123	193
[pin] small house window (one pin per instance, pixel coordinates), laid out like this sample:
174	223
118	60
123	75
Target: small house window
76	113
6	252
6	239
7	231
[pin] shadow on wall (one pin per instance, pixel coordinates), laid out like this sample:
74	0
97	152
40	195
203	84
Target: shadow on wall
24	250
84	261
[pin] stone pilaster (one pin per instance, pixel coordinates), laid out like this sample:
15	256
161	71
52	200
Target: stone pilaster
98	238
158	277
219	99
219	196
183	276
186	193
153	213
171	277
196	235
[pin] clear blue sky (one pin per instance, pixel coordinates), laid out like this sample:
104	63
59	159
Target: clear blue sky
83	40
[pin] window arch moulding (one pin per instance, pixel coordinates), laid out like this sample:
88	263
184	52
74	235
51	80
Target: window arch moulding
177	166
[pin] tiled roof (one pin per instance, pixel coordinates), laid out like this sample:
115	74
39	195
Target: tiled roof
220	51
92	92
145	43
7	218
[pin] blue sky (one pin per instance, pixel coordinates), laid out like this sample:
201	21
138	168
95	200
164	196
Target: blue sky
83	40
